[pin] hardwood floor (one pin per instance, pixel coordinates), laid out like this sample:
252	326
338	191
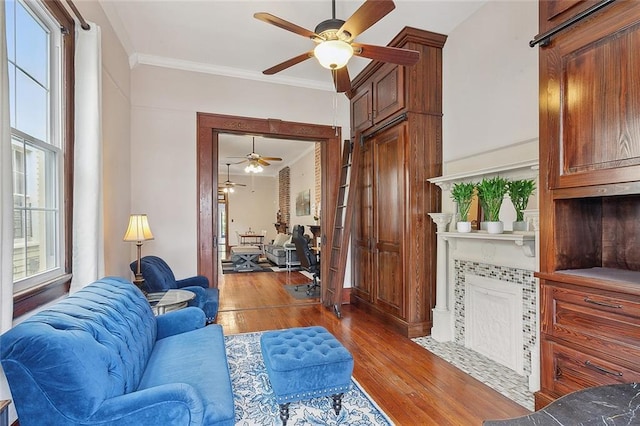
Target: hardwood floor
413	386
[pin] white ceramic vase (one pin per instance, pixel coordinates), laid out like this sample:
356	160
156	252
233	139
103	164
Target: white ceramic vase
495	227
463	226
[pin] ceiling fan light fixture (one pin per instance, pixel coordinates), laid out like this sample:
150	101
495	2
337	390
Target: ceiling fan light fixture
333	54
253	167
228	190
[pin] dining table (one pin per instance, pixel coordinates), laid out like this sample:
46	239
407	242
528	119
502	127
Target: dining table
251	239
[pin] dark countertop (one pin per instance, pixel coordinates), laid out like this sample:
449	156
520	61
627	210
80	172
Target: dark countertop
602	405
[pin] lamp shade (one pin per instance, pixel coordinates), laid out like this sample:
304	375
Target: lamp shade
333	54
138	229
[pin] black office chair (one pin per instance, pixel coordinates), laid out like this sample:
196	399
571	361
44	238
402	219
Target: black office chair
308	260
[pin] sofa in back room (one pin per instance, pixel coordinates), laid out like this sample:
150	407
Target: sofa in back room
276	253
100	356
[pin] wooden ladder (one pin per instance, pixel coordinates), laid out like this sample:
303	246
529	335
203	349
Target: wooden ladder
337	255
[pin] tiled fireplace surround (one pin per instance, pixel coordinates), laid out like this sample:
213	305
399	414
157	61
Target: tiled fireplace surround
489	278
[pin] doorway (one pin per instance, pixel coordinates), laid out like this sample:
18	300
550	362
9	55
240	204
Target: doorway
209	127
223	225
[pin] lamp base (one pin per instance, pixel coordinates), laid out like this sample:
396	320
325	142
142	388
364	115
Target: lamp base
138	281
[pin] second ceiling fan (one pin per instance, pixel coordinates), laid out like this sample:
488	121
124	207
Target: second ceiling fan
335	41
255	160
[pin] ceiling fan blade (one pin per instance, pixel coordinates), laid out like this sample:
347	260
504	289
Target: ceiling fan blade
240	162
237	184
393	55
271	158
368	14
341	79
264	163
285	25
288	63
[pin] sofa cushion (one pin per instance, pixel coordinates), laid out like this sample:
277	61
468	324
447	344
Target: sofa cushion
281	239
174	360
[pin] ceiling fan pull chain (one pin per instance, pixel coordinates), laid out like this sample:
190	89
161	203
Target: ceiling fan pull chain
335	112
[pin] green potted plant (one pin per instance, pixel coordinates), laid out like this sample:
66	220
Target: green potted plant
519	192
491	193
462	194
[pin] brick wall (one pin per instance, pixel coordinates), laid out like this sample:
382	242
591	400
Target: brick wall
284	194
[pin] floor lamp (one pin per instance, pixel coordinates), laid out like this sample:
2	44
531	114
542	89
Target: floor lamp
138	231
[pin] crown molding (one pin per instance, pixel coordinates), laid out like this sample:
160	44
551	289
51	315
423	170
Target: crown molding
179	64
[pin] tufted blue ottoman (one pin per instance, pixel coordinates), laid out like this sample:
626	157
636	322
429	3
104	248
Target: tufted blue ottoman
304	363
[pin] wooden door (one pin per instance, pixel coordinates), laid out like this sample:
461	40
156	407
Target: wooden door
361	109
388	93
388	208
593	98
362	231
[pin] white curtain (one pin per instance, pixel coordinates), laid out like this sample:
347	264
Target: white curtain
6	201
6	188
88	236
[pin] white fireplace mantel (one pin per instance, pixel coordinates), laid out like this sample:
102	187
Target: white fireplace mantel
519	170
524	239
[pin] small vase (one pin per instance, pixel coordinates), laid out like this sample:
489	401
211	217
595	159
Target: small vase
519	225
463	226
495	227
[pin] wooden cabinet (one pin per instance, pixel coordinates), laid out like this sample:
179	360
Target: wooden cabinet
378	98
398	121
589	198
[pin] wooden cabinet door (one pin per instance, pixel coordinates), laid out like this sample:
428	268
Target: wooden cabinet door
362	231
388	96
361	109
388	202
591	109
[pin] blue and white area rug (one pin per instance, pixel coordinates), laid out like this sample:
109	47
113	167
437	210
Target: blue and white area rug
255	403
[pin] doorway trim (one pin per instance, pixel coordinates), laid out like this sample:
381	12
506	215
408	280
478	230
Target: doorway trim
209	127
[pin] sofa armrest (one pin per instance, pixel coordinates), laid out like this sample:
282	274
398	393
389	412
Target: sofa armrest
198	280
181	321
174	403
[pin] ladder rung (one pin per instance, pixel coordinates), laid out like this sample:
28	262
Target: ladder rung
346	165
333	269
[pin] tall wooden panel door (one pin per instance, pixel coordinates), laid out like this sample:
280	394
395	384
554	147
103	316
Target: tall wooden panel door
389	201
362	231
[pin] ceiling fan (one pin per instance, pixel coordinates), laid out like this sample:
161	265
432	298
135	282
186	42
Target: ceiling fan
256	161
335	45
227	185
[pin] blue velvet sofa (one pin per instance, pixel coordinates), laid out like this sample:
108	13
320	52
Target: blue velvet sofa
158	277
100	357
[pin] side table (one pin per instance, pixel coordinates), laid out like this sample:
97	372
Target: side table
170	300
4	412
288	263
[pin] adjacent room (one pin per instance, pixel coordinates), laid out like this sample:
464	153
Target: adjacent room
329	212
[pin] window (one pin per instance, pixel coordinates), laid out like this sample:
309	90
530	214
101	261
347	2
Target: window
40	92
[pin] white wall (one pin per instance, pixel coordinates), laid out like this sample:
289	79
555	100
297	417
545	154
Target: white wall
253	206
490	82
163	117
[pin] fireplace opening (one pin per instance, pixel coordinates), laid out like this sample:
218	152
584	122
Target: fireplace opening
493	320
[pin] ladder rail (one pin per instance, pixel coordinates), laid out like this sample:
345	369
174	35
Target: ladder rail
341	232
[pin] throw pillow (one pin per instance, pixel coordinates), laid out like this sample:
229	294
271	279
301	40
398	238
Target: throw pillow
280	240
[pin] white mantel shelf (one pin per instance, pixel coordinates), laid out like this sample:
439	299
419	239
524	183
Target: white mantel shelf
524	239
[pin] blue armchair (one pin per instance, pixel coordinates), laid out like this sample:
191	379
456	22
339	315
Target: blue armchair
158	277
